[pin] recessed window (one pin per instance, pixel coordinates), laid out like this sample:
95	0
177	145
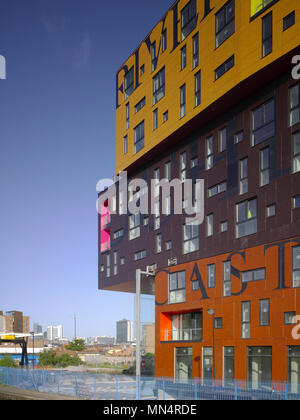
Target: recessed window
211	272
119	234
168	245
258	6
155	119
209	152
267	35
107	266
263	122
264	312
222	140
164	40
183	57
159	86
188	19
125	145
194	162
140	105
134	226
182	101
177	287
289	21
210	225
294	94
115	263
190	238
239	137
146	221
243	176
139	140
224	226
153	56
254	275
265	167
158	243
195	50
226	278
296	266
182	167
129	82
165	116
271	210
217	189
127	116
290	318
296	201
197	88
122	261
296	152
246	218
218	323
225	24
140	255
224	68
246	319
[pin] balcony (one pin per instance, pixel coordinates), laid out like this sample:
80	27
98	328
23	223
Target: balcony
189	334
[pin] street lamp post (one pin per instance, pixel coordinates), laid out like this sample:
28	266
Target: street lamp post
212	313
32	332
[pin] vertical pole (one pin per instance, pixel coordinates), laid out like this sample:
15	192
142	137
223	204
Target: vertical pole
235	390
285	391
138	321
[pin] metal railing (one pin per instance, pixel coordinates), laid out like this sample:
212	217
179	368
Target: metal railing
123	387
188	334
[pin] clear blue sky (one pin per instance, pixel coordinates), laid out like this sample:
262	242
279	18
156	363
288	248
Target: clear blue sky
57	139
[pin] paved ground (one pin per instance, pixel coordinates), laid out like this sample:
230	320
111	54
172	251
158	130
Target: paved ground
8	393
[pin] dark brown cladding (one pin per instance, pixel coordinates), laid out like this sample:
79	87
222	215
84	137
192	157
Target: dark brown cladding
282	187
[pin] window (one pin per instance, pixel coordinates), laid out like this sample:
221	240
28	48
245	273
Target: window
289	21
264	312
164	40
197	88
102	268
159	86
119	234
227	278
158	243
218	323
140	105
296	266
156	216
296	202
209	152
290	318
140	255
122	261
177	287
224	68
165	116
296	152
195	50
258	6
134	226
107	266
142	69
263	122
188	19
127	116
217	189
146	221
182	101
125	145
246	319
267	35
246	218
224	226
271	210
168	245
210	225
265	166
194	162
168	171
293	369
222	140
211	272
153	56
207	364
190	238
239	137
183	167
183	57
156	176
294	105
186	327
129	82
115	263
244	176
155	119
183	364
260	367
229	365
139	140
254	275
225	24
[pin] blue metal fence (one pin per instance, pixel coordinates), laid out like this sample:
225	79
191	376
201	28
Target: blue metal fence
123	387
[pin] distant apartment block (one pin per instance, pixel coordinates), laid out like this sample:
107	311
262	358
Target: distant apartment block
54	332
37	328
14	321
124	331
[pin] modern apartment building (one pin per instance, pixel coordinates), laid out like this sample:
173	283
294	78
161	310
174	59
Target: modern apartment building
14	321
54	332
124	330
212	93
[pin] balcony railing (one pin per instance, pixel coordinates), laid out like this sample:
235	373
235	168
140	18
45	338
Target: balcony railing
189	334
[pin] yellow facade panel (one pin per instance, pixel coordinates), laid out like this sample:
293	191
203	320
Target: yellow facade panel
245	44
